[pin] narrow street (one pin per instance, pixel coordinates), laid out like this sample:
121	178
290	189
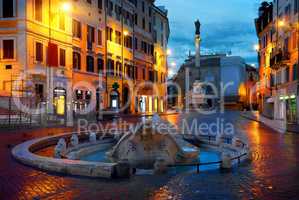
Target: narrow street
272	174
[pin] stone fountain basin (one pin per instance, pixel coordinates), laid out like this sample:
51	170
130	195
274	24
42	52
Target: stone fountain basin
85	149
25	153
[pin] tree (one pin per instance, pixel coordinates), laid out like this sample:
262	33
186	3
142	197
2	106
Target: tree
115	86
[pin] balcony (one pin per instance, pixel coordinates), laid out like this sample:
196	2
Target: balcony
279	59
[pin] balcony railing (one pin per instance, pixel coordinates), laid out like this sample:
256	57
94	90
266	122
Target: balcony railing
279	59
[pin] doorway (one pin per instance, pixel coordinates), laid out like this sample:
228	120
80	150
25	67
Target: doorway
60	101
126	94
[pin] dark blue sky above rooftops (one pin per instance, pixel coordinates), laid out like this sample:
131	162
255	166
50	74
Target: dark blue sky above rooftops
227	26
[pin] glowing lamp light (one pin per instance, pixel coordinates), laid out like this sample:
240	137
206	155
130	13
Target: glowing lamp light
66	6
293	97
256	47
281	23
173	64
126	33
168	52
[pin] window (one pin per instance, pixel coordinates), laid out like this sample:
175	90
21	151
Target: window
143	23
8	67
76	29
118	37
39	52
144	47
278	78
136	19
8	49
76	60
128	42
150	49
88	96
155	76
100	4
89	64
109	33
149	11
100	65
135	73
143	73
286	45
100	39
296	6
88	1
150	27
151	75
110	8
90	34
62	57
62	21
295	72
272	80
136	43
118	12
110	67
118	69
8	8
287	75
38	10
143	7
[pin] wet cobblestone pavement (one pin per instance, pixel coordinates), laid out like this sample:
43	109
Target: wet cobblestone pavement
273	173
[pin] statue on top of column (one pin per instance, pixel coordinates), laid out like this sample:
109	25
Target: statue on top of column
197	27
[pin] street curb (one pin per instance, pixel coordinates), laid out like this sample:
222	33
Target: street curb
254	119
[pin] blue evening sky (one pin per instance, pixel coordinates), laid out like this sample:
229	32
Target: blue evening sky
227	25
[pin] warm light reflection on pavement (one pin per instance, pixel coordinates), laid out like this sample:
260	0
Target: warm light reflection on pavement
273	173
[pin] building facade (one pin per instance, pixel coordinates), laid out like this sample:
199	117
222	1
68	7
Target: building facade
219	78
251	80
85	55
278	31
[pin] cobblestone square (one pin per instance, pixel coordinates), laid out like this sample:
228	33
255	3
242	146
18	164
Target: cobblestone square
272	174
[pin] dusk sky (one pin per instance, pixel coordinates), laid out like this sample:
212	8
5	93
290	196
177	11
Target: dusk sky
226	26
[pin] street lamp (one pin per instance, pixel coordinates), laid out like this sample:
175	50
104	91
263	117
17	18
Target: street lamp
169	52
126	33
